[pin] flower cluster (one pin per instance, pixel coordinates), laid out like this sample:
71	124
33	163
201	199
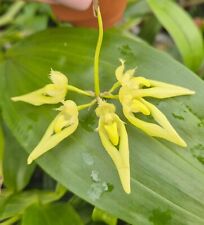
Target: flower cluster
131	94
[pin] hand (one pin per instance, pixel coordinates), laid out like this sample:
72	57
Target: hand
75	4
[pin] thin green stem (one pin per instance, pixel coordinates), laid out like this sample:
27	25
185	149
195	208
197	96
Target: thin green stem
80	91
114	87
110	96
11	13
81	107
97	54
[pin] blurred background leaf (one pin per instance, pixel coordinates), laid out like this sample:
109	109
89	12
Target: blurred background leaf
182	29
16	172
100	215
55	214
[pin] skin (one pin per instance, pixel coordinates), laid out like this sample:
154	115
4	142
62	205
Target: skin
75	4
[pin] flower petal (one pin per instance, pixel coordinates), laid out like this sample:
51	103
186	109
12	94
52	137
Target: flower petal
58	130
162	92
119	156
138	106
58	78
163	130
49	94
119	70
114	138
112	131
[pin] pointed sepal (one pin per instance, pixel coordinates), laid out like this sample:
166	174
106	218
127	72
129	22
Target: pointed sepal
49	94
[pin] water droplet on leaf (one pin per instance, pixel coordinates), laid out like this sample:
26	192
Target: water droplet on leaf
88	159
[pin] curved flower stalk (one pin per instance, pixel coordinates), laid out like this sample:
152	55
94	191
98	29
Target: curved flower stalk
50	93
114	138
131	97
64	124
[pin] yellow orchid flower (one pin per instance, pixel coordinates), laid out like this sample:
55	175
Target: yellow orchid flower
153	88
64	124
131	96
114	138
50	93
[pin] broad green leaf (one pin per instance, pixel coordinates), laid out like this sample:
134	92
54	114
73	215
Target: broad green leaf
182	29
167	181
16	172
52	214
15	204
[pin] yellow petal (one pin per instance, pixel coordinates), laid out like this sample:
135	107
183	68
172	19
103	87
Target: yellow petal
119	156
125	95
124	77
127	76
60	123
58	78
163	130
171	88
112	132
65	128
138	106
120	69
161	92
138	82
50	94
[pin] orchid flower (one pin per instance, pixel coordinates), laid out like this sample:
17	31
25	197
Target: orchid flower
114	139
64	124
131	96
50	93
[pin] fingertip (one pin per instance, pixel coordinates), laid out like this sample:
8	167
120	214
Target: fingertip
77	4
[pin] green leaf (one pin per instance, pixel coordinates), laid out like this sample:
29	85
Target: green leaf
1	153
165	178
100	215
15	204
182	29
16	172
60	214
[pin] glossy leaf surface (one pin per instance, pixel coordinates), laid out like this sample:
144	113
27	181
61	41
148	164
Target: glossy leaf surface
161	172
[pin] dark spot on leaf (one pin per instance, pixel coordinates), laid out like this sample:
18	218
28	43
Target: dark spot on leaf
198	152
126	51
160	217
201	123
190	110
176	116
110	187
